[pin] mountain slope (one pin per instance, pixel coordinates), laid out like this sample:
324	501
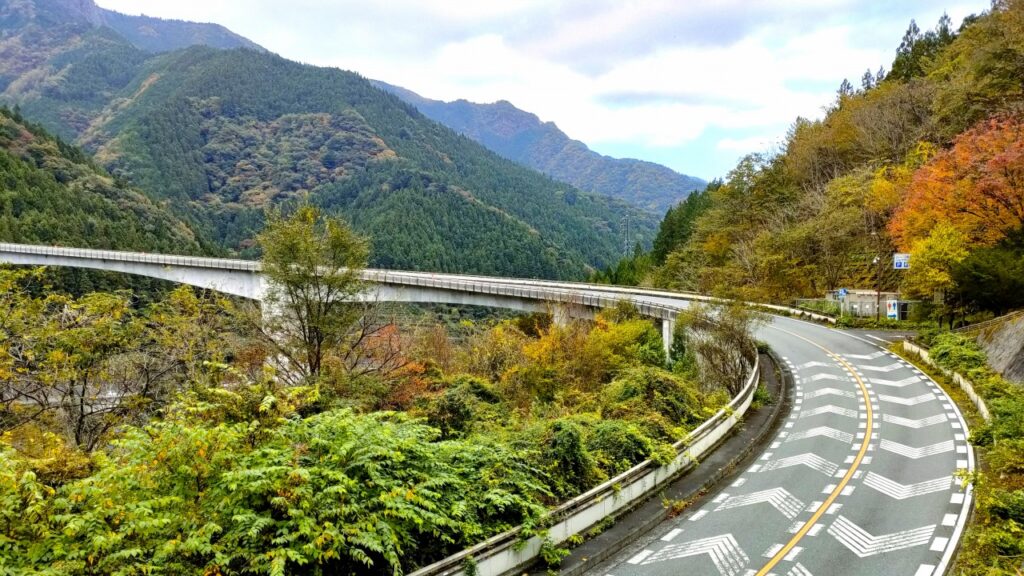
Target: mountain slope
225	134
521	136
53	194
160	35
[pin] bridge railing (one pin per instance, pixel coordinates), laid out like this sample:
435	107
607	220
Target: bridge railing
134	257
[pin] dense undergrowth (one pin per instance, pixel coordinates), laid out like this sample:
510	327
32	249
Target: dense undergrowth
994	541
211	465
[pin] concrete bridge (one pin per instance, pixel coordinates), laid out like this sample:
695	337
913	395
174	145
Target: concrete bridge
245	279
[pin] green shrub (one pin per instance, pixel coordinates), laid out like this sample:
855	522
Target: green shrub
569	463
662	401
618	446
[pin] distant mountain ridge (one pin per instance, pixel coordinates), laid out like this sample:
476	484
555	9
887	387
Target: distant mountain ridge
220	136
144	32
522	137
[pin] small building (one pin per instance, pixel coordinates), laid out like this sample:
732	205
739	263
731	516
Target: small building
865	303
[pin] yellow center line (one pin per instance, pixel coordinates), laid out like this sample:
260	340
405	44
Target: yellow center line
849	473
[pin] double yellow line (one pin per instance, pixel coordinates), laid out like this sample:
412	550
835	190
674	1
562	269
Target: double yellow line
849	473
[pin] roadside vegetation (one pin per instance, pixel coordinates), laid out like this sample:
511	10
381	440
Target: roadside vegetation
994	540
198	435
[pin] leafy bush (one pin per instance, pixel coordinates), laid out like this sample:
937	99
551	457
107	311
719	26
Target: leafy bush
373	494
663	403
618	445
570	464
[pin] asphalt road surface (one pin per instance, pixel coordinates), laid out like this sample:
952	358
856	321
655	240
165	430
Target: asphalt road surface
858	481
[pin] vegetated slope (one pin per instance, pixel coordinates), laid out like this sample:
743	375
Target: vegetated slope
227	134
522	137
64	60
161	35
52	193
927	159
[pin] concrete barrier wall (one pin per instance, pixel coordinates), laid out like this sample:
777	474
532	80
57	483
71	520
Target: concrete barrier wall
960	381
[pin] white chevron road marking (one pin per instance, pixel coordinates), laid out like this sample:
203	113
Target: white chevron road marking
911	423
779	498
844	437
814	364
863	544
898	491
886	368
724	551
921	399
829	409
895	383
871	356
812	461
824	376
799	570
915	453
829	391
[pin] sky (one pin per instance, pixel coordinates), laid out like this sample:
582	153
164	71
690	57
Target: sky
691	84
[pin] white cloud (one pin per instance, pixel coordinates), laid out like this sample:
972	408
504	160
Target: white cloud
654	74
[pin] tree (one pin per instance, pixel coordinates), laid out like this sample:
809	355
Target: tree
977	186
932	261
992	279
722	341
81	367
314	316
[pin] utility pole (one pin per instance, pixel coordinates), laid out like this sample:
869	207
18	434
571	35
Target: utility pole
878	288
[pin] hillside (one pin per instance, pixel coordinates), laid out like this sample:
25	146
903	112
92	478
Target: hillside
161	35
53	194
521	137
225	134
927	159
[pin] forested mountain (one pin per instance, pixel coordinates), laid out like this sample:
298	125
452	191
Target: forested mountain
160	35
225	134
522	137
927	159
52	193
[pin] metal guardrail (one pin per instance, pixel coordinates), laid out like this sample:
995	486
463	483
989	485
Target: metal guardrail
966	385
988	323
138	257
542	289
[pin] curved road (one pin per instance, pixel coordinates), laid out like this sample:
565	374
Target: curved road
859	479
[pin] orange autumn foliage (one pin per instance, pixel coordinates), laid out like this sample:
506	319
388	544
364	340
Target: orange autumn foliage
977	186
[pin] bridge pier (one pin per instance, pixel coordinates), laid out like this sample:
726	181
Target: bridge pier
668	328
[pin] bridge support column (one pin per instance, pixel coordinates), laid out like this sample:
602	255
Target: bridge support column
668	329
560	315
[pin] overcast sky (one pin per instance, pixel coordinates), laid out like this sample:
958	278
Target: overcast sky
690	84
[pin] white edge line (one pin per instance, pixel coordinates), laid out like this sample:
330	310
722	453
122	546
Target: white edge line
965	509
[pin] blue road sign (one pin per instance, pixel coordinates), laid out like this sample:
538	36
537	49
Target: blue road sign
901	261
